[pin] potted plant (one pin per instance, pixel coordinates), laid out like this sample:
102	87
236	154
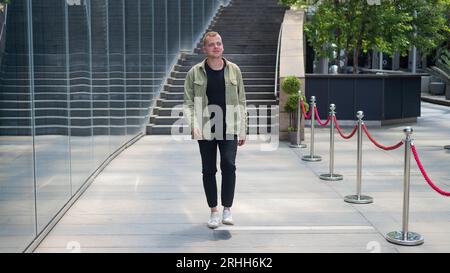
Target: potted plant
291	85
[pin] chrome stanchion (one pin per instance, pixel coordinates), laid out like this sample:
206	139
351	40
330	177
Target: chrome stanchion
405	237
298	141
358	198
311	156
331	176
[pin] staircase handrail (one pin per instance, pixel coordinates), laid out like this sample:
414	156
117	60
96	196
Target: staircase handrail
4	23
277	61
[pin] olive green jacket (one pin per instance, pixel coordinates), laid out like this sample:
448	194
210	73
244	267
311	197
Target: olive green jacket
196	101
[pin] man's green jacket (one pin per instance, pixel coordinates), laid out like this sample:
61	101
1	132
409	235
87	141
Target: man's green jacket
196	101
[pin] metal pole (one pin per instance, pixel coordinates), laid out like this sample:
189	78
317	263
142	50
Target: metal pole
311	157
406	185
380	61
331	176
358	198
313	119
414	49
405	237
360	116
298	143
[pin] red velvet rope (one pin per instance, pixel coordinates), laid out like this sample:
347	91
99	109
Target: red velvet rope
387	148
307	116
422	170
319	120
342	133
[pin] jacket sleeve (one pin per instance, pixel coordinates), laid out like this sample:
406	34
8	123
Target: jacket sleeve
242	107
188	103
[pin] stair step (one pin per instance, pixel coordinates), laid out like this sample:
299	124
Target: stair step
261	110
250	75
169	120
179	103
247	81
168	129
248	88
244	69
245	49
249	96
256	61
86	74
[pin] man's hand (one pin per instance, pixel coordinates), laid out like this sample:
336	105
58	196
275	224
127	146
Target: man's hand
196	133
241	142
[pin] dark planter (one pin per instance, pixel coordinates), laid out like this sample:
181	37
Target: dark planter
293	138
447	91
437	88
386	97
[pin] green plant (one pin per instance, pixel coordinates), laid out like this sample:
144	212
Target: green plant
290	85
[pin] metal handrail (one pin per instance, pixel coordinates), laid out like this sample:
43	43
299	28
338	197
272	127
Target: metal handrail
277	61
4	22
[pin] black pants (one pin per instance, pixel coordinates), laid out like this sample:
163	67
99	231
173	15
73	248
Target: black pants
208	152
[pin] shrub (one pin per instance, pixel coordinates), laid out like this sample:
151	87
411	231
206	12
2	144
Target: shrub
290	85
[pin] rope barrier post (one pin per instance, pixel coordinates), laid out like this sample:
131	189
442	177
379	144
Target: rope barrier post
298	142
358	198
331	176
405	237
311	157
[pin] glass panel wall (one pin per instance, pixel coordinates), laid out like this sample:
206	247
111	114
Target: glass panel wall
77	80
17	195
79	70
117	73
50	107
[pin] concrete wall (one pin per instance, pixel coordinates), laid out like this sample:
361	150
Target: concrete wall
291	61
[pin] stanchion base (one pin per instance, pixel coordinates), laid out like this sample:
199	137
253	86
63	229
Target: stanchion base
447	147
312	158
331	177
396	237
297	145
361	199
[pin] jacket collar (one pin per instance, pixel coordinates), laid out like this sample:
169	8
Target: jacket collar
202	64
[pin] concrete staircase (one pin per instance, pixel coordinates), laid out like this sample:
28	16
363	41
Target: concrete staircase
96	91
249	31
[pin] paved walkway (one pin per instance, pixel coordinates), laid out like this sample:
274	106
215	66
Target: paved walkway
150	198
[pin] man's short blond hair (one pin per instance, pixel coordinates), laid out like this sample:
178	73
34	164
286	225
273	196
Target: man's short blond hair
209	34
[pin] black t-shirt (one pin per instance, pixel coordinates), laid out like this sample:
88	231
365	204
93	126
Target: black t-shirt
215	91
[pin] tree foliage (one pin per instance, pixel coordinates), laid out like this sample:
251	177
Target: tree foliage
390	26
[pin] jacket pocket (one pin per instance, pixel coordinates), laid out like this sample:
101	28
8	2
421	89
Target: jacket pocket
234	85
198	88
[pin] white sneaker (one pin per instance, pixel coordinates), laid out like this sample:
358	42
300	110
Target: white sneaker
227	219
214	220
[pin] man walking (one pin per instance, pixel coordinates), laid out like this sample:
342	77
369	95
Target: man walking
215	109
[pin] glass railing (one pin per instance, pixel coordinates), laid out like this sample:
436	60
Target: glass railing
77	81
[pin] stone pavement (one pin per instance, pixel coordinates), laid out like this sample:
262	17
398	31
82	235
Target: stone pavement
151	199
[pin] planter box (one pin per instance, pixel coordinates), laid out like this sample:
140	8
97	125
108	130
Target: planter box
447	92
437	88
385	98
425	84
293	138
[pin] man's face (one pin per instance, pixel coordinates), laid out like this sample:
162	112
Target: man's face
213	46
